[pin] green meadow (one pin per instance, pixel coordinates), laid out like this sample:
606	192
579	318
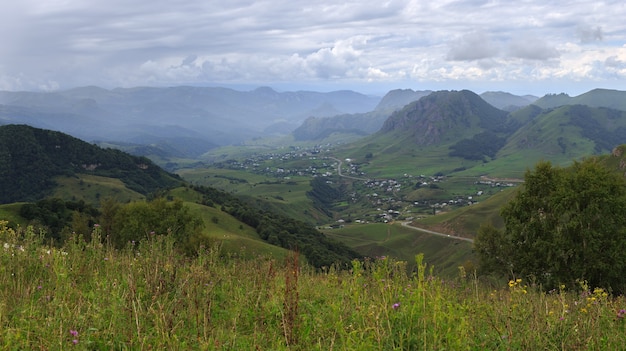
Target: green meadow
88	296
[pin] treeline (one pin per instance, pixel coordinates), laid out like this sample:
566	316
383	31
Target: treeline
30	158
280	230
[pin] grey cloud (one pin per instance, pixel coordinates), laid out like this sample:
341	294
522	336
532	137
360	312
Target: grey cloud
614	62
588	34
532	49
472	46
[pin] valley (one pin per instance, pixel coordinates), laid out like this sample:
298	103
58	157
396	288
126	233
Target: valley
442	161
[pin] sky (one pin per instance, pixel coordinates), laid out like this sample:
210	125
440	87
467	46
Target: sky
371	46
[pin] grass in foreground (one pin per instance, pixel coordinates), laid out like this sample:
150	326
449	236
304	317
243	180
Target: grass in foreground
88	296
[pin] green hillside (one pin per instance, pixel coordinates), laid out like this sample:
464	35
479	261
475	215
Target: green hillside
31	159
561	135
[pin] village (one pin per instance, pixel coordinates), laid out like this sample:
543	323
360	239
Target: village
369	199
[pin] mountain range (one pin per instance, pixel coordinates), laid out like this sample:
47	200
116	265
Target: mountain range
507	131
187	120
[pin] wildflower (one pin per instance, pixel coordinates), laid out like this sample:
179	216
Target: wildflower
74	341
396	305
621	314
96	225
73	332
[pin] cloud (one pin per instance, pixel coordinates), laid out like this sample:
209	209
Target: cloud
588	34
614	62
65	43
529	48
472	46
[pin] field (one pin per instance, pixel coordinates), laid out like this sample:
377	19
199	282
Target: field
90	297
394	240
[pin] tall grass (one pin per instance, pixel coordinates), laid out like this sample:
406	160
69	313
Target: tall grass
89	296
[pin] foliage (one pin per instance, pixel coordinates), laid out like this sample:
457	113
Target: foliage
89	296
60	217
138	221
30	158
566	225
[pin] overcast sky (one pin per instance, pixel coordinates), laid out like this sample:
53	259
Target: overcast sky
372	46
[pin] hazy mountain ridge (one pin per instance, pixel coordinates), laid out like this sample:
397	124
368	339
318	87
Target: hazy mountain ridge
317	127
220	115
507	101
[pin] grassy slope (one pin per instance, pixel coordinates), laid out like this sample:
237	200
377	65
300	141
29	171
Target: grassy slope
393	240
89	297
235	237
91	189
393	156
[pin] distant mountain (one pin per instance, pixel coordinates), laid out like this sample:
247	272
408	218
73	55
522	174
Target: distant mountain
444	117
31	158
458	131
219	116
399	98
361	124
614	99
507	101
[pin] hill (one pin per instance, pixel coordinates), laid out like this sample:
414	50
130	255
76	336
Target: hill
444	117
614	99
561	135
31	158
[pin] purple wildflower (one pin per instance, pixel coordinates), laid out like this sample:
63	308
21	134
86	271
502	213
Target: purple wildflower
74	332
396	305
621	313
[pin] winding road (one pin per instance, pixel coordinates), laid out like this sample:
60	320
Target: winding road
408	225
339	170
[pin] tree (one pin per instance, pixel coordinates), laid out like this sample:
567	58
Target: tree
563	226
139	220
